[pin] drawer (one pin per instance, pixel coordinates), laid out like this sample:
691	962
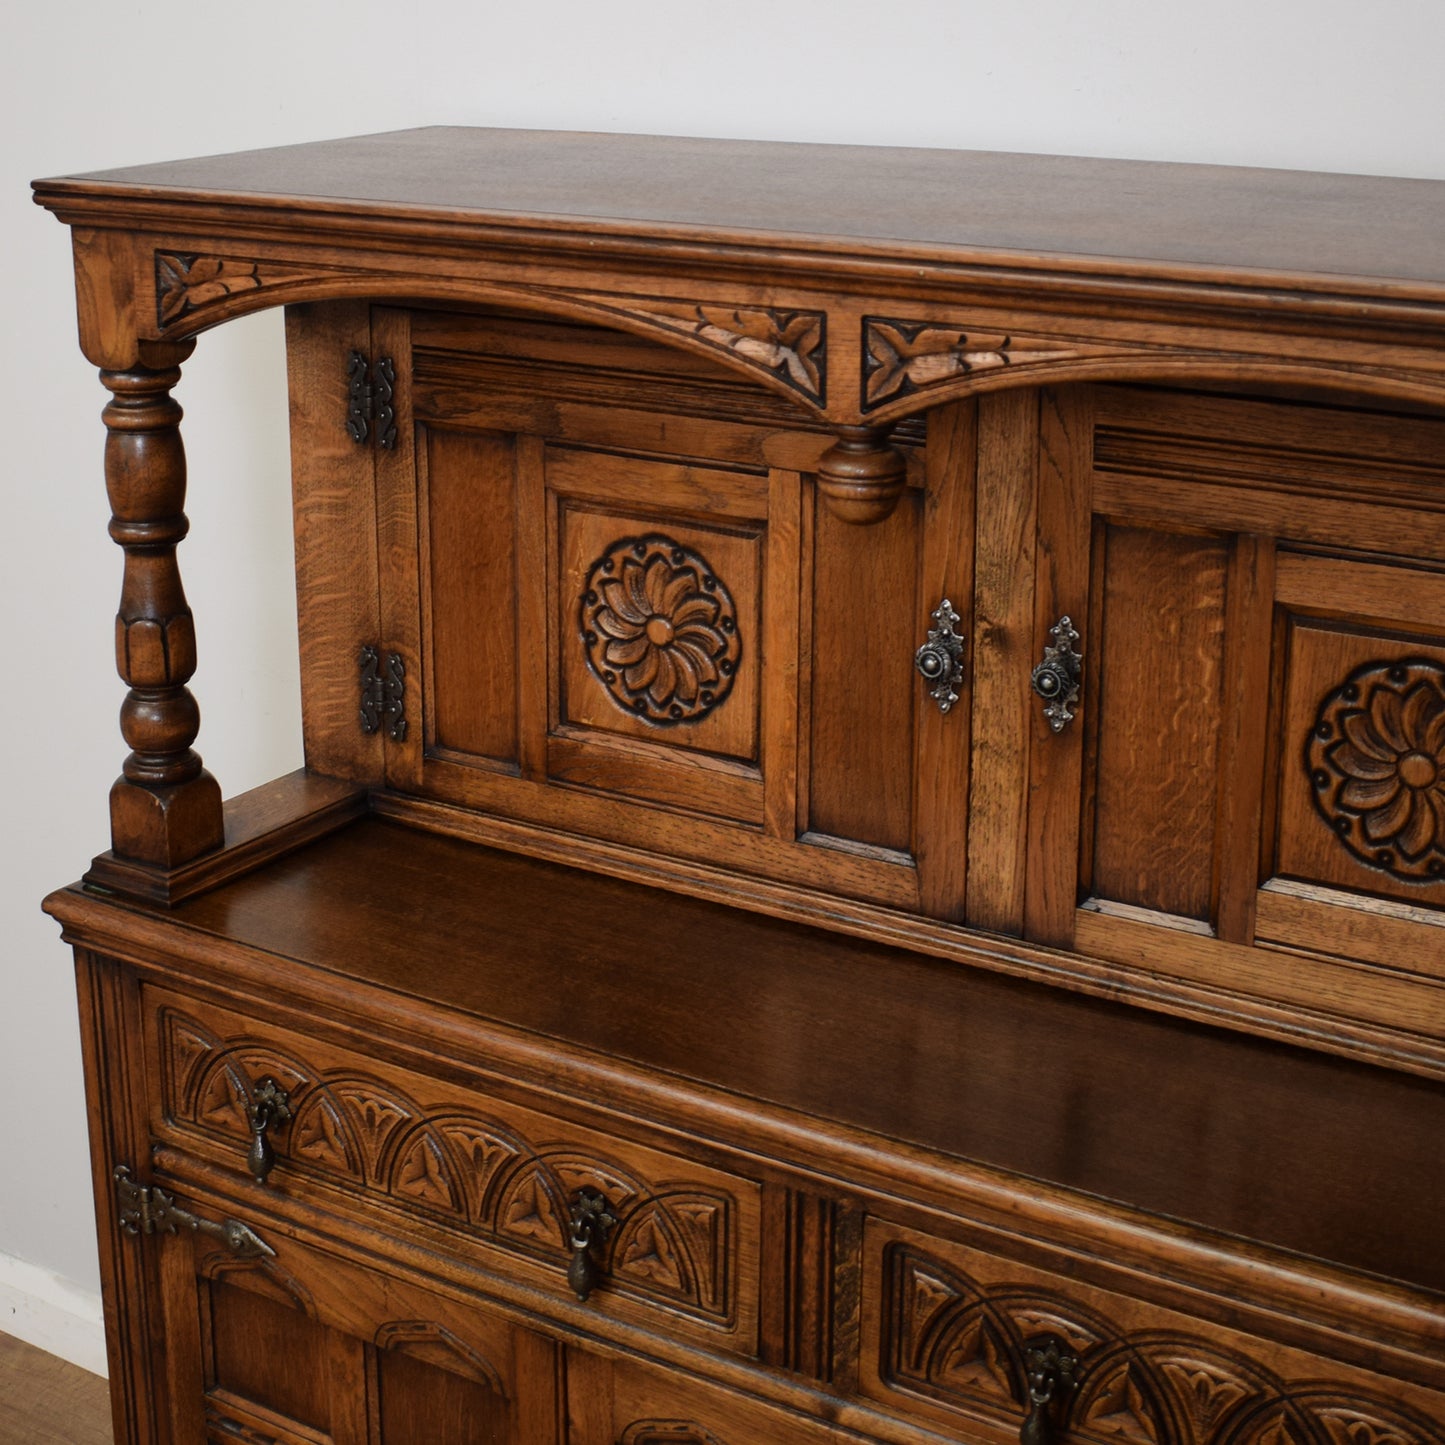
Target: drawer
948	1331
493	1181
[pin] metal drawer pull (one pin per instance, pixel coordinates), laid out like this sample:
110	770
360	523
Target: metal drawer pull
940	660
269	1108
1056	678
588	1224
1052	1371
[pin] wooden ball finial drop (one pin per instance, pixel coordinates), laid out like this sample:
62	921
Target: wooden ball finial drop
862	476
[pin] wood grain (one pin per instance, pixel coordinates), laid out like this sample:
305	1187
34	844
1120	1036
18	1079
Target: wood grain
47	1401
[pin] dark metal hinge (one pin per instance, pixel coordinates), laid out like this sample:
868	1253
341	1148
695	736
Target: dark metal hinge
147	1209
370	393
383	697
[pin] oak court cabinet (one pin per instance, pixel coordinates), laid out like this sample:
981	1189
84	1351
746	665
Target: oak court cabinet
871	859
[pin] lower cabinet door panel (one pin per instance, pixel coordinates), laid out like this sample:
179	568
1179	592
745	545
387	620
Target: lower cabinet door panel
623	1403
970	1340
303	1346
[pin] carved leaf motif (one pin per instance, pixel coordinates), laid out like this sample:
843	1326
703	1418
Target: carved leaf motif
973	1360
529	1211
903	357
187	1043
1205	1394
484	1152
184	283
1347	1427
787	344
651	1253
421	1171
320	1136
374	1117
660	630
1120	1410
221	1098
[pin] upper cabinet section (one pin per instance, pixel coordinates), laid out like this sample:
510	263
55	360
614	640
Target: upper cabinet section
1034	561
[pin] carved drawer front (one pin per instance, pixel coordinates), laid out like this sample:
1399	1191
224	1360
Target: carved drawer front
983	1344
640	1233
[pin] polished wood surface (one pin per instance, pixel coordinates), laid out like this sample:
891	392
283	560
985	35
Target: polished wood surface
943	1057
1179	217
48	1401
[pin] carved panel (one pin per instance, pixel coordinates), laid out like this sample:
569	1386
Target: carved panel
959	1342
790	345
434	1344
904	357
660	630
1376	761
672	1241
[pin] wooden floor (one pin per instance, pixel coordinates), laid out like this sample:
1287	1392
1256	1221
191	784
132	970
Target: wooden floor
45	1401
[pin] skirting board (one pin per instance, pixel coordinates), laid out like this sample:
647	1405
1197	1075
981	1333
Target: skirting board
52	1314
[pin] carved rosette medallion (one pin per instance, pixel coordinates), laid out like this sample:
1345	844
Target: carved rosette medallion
1376	761
660	630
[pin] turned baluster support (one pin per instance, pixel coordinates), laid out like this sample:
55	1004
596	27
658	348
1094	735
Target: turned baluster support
862	476
165	809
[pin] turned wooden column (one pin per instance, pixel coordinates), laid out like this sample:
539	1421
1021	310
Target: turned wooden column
165	809
862	476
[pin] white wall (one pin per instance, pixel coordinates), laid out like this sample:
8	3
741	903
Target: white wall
1309	83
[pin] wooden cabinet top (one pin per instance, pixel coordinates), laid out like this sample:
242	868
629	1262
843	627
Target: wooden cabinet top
1056	213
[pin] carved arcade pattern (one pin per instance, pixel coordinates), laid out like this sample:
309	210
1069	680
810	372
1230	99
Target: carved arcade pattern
961	1343
672	1239
1376	760
903	357
660	630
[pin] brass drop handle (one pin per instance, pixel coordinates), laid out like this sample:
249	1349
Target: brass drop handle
940	660
1051	1372
268	1108
1056	679
589	1222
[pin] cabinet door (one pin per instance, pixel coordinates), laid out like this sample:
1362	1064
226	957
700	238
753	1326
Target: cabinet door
1257	756
624	612
306	1347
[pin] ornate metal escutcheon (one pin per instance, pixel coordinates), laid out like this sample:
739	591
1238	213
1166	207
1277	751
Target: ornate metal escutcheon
1056	679
269	1108
940	660
1051	1372
589	1222
148	1209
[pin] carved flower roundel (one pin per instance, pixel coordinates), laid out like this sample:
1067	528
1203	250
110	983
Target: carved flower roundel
1376	759
660	630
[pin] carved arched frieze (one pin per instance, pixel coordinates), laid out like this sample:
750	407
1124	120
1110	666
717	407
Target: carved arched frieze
672	1242
909	365
959	1342
785	347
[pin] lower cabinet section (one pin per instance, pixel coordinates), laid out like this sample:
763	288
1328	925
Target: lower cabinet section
316	1232
961	1338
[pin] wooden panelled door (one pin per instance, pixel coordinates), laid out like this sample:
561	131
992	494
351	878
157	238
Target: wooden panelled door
306	1347
1258	756
628	613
